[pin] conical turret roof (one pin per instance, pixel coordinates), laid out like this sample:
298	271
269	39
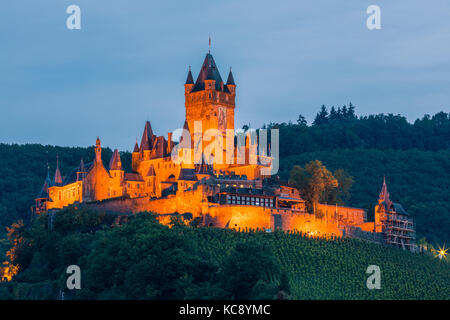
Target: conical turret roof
208	71
115	163
190	78
58	179
147	137
230	79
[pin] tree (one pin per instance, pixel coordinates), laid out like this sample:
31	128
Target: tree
340	193
301	121
313	181
321	117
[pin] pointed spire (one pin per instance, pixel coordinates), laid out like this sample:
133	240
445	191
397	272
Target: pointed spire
230	79
136	147
384	194
47	183
190	78
147	137
115	163
58	179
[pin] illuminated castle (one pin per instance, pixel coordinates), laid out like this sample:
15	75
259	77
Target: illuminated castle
238	193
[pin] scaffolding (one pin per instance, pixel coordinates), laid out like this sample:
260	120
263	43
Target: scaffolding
399	231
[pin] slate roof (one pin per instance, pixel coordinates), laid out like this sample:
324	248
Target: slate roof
136	147
190	78
147	137
230	79
187	174
115	163
133	177
209	71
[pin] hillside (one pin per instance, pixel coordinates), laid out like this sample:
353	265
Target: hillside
142	259
414	157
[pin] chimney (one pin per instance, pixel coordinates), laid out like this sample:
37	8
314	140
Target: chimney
169	142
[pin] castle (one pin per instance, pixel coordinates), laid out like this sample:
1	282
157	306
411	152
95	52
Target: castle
240	193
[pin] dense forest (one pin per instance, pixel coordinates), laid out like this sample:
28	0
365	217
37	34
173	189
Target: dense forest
142	259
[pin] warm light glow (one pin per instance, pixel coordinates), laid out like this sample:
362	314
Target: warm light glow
312	233
441	253
8	271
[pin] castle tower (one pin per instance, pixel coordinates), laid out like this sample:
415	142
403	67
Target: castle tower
117	174
146	142
230	83
150	181
98	151
115	164
209	100
189	82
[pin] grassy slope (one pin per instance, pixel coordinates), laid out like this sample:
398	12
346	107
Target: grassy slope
320	269
316	268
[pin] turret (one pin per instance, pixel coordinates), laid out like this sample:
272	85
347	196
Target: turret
189	82
98	151
146	142
230	83
115	166
135	157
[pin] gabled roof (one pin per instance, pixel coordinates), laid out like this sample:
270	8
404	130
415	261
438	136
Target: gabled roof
208	71
159	147
151	171
147	137
115	163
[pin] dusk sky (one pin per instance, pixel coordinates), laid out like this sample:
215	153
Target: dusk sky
129	61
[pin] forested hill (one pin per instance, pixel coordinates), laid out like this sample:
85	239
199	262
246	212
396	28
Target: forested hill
415	157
